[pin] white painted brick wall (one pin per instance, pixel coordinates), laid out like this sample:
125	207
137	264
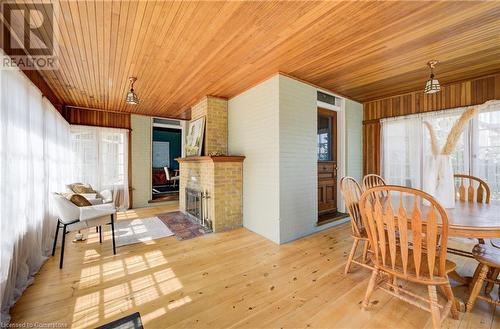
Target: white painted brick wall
298	159
253	131
141	160
354	140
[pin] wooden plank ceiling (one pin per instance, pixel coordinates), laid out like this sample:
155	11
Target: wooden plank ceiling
181	51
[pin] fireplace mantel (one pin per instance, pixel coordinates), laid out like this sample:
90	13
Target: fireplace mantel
221	158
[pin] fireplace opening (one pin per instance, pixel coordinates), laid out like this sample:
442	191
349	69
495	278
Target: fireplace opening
197	207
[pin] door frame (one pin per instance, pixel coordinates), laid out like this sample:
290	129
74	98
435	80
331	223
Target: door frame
341	140
182	127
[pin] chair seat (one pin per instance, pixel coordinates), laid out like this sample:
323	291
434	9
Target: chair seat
411	271
96	211
486	254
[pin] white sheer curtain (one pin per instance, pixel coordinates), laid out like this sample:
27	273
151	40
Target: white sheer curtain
100	158
401	152
406	143
34	148
486	148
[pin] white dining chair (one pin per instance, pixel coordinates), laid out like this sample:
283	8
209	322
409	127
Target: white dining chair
174	179
73	218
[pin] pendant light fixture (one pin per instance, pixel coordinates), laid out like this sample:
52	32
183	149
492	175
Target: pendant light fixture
432	85
131	95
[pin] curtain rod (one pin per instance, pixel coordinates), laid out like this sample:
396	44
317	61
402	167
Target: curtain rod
491	105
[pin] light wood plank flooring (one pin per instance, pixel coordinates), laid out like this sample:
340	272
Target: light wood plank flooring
231	279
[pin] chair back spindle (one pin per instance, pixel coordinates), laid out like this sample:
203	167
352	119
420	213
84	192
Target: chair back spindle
373	180
409	241
471	189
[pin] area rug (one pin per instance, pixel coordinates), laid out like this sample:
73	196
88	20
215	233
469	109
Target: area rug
132	321
140	230
183	227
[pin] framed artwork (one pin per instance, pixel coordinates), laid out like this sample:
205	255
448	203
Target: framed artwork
194	139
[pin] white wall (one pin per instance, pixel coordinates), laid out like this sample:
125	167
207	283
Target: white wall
253	131
354	139
141	160
298	159
274	125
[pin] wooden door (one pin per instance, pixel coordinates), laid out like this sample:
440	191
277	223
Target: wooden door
327	161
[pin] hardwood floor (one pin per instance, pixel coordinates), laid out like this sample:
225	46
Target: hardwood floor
231	279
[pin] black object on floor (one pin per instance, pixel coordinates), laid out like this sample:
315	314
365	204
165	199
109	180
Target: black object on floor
132	321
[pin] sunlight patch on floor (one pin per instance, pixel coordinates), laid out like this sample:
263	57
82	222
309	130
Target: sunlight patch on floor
179	302
164	275
86	310
155	258
112	270
153	315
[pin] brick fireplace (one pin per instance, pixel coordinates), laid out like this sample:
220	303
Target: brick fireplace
218	178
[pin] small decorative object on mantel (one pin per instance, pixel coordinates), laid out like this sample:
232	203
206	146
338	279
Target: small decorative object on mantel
216	154
438	170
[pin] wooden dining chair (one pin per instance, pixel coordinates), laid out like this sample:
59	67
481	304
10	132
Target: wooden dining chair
351	192
408	244
477	189
373	180
487	272
470	189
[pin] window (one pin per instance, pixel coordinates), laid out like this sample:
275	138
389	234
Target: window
400	161
100	158
406	144
324	138
486	150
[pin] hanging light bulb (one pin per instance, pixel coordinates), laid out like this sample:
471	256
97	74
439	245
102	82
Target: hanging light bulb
131	95
432	85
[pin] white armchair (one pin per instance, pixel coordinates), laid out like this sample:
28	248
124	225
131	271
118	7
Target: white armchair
73	218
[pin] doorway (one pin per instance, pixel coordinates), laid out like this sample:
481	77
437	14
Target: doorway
166	147
327	164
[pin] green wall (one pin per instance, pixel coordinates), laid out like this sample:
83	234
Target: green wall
173	137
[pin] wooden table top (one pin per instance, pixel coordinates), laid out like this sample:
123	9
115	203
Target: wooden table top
472	220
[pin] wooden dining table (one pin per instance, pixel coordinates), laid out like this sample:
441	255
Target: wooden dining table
474	220
465	220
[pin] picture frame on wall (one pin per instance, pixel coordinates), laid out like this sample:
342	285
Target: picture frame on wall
194	138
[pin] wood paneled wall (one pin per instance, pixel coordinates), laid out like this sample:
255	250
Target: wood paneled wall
464	93
95	117
371	148
38	81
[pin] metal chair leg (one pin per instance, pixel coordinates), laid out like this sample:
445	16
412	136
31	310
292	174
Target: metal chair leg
113	232
100	233
55	239
62	246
